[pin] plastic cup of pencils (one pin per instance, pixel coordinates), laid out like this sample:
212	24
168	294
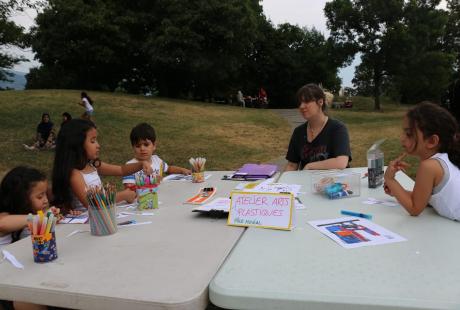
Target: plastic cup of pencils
147	196
198	177
102	220
44	247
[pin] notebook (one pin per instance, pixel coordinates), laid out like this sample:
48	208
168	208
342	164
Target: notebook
255	171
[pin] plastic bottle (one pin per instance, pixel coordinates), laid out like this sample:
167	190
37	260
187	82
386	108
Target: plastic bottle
375	165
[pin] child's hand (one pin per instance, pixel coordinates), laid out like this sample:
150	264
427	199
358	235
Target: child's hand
147	168
75	212
186	171
387	189
127	195
56	211
394	166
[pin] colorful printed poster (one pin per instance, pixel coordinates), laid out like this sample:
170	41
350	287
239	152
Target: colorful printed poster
265	210
353	232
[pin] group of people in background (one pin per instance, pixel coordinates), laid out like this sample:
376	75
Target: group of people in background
259	101
45	137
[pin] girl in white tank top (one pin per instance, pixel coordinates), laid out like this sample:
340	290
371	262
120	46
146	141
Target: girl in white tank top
77	166
430	133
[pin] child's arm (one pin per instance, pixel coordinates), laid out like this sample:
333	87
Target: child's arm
127	169
11	223
77	183
178	170
416	201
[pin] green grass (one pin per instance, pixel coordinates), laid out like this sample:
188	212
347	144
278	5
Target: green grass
227	136
367	126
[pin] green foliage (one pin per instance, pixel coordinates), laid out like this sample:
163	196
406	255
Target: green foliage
10	35
400	48
186	49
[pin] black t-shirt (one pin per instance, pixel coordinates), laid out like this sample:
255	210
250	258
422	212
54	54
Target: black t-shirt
331	142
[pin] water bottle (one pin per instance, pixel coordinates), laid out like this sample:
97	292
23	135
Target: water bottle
375	165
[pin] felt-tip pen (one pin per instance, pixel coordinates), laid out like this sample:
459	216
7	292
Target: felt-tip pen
351	213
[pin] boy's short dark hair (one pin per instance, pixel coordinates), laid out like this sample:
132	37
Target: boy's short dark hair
142	131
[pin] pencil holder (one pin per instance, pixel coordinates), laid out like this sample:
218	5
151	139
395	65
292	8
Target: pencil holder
198	177
337	185
44	247
102	220
147	197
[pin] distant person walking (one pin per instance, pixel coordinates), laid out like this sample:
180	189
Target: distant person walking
240	98
87	103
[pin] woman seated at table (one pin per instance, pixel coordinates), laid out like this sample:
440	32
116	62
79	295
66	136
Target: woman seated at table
321	142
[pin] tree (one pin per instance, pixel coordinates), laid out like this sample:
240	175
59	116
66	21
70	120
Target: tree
11	35
287	57
365	24
422	70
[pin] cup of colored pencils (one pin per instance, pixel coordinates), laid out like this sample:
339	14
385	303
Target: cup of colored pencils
147	190
197	169
42	229
102	210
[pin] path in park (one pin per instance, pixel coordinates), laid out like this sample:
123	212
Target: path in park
294	119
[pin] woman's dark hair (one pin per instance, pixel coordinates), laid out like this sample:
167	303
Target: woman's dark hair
142	131
69	154
431	119
15	189
311	92
85	95
67	116
46	114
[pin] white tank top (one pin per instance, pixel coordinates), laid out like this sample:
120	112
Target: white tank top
91	179
445	198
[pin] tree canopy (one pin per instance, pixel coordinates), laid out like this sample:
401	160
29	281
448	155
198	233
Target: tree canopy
399	43
10	35
191	49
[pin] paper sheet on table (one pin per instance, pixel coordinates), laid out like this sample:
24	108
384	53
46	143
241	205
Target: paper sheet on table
277	188
12	259
71	219
218	204
182	177
384	202
354	232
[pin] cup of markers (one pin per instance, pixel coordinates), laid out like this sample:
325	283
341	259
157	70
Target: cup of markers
147	191
102	210
42	227
197	169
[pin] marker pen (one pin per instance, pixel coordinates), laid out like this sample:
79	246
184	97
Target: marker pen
351	213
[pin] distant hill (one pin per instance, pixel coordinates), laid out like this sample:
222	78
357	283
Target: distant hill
19	81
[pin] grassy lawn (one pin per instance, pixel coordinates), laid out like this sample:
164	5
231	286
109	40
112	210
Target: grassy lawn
367	126
227	136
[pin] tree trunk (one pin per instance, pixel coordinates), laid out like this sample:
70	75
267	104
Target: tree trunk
377	84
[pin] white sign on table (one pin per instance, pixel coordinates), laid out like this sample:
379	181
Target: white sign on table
265	210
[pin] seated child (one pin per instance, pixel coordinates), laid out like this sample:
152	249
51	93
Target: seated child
143	141
23	190
431	134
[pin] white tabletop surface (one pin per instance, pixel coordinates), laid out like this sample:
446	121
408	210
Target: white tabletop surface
164	265
303	269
